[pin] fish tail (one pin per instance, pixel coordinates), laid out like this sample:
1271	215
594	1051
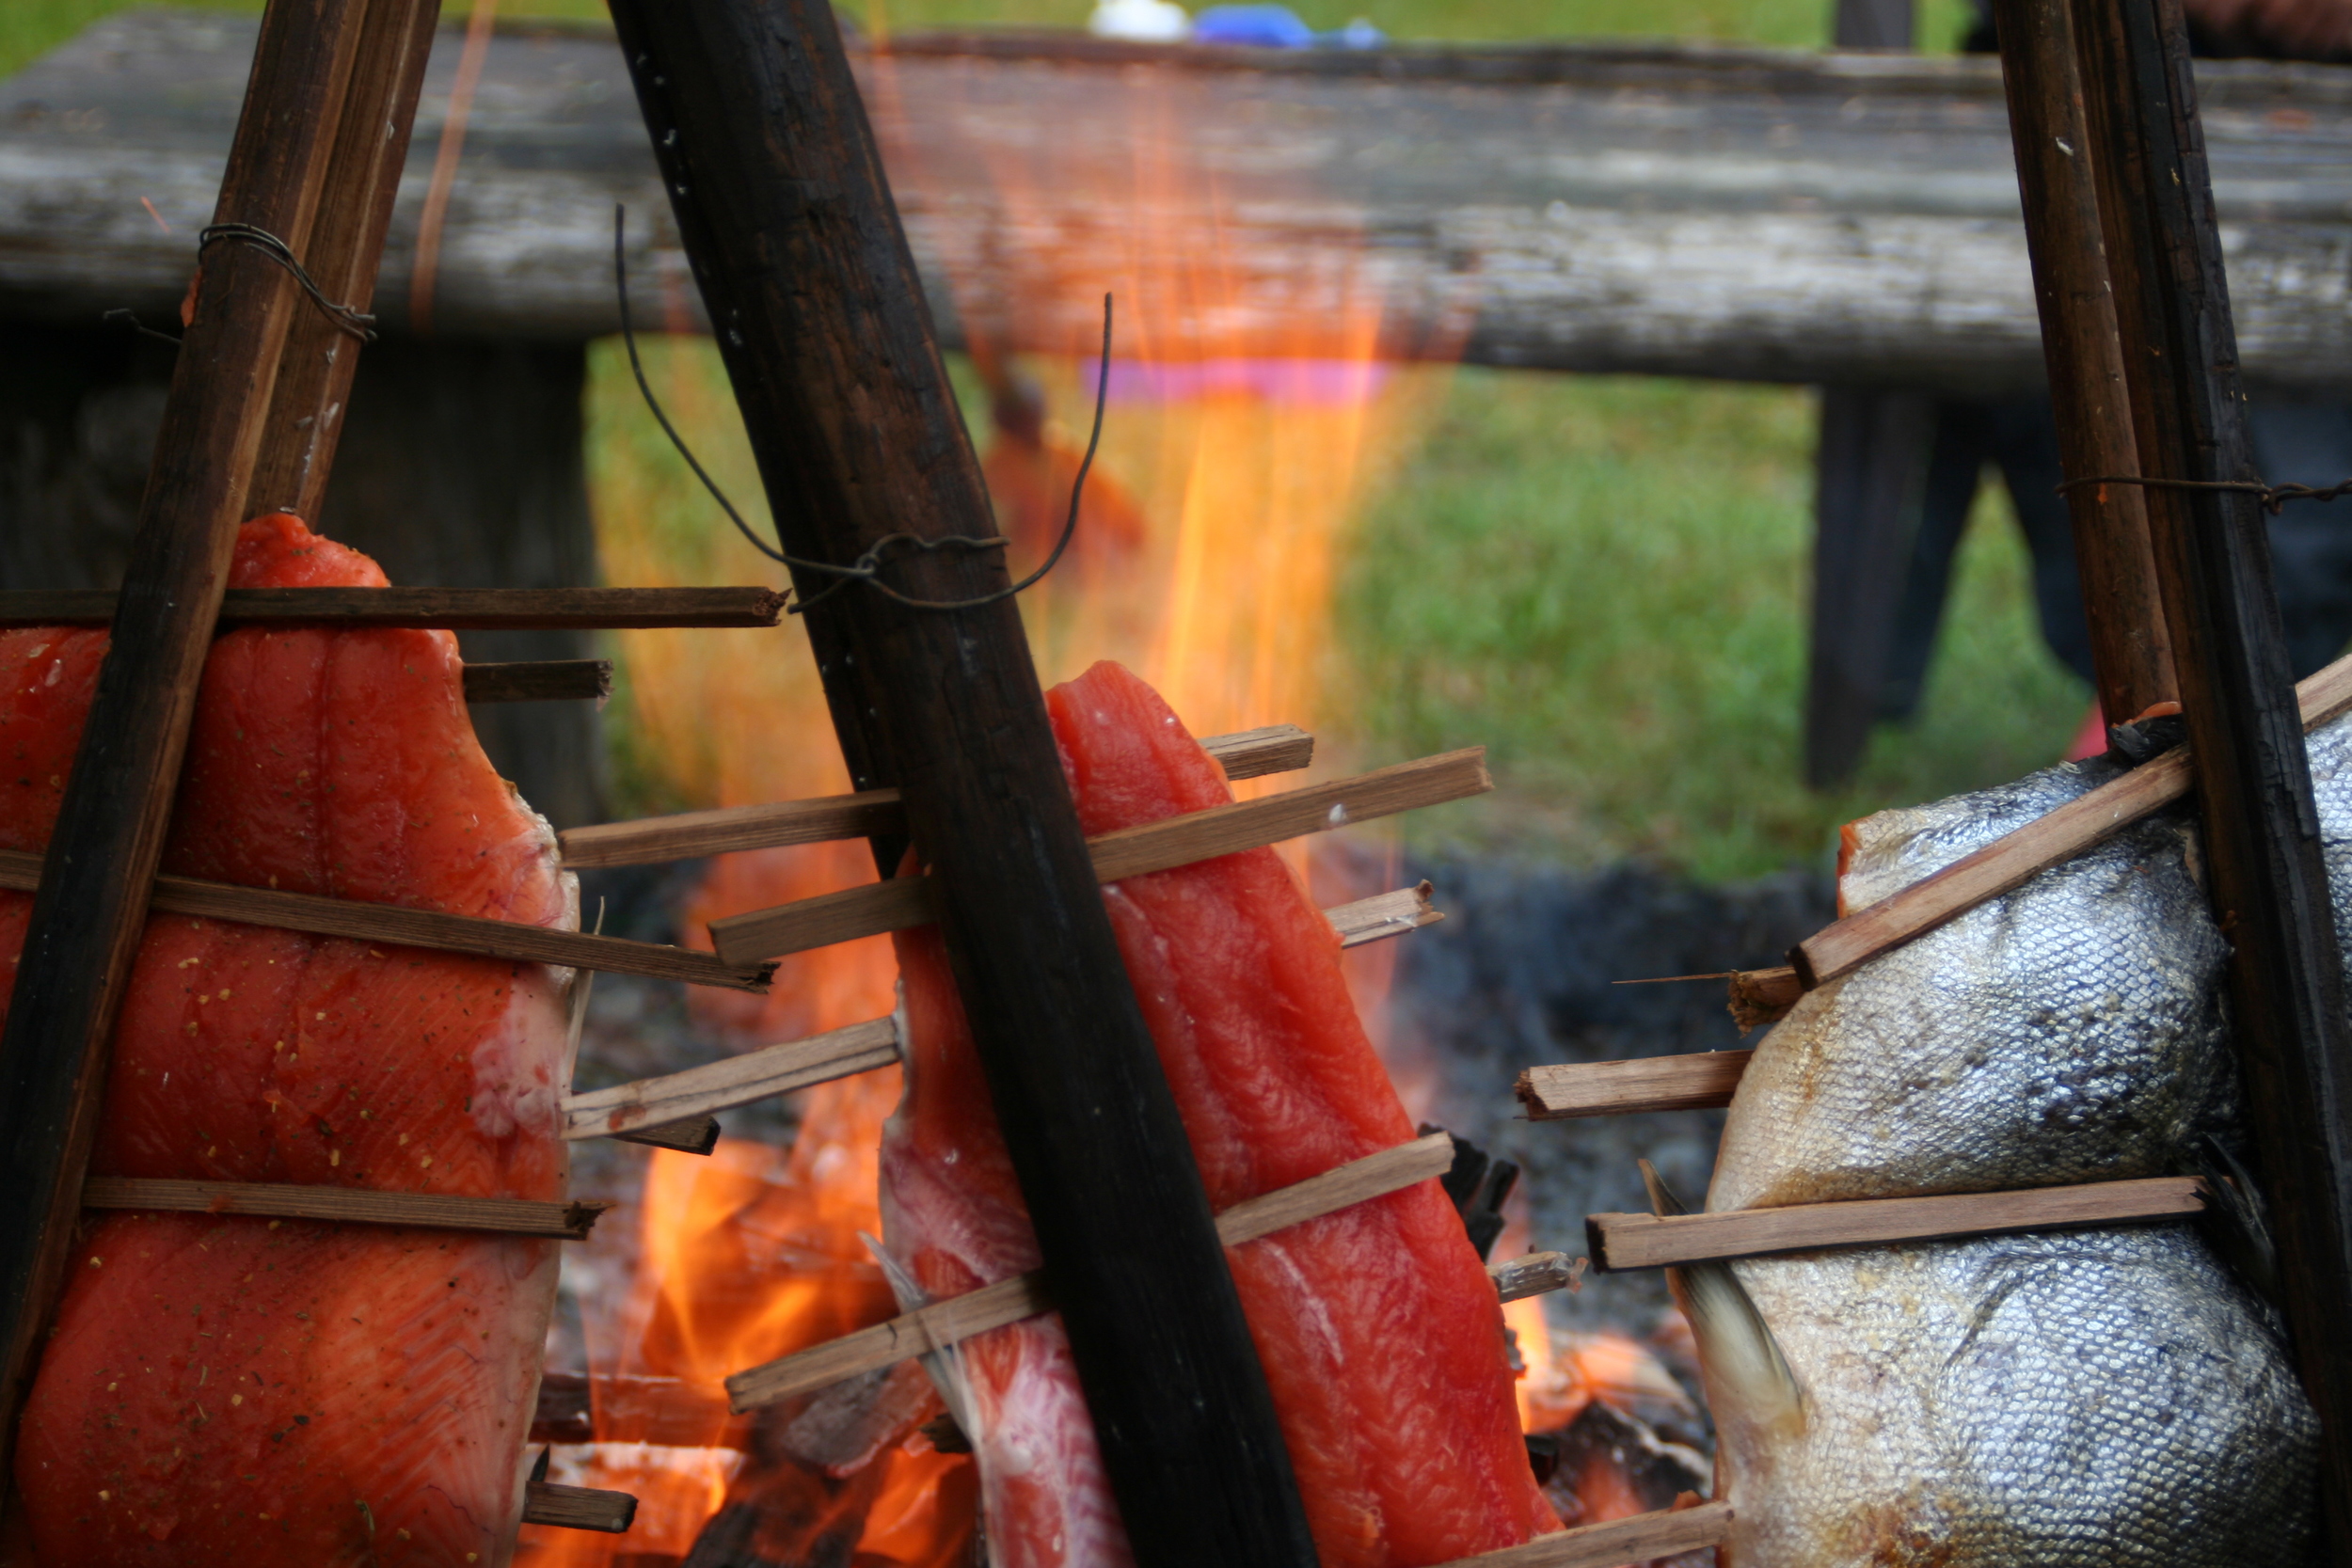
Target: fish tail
1736	1345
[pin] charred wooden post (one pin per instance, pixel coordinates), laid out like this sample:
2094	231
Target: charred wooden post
804	270
2253	781
87	918
2130	651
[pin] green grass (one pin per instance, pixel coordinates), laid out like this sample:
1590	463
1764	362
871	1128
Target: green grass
1605	579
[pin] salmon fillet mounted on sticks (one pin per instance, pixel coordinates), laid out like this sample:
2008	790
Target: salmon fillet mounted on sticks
1377	1324
239	1391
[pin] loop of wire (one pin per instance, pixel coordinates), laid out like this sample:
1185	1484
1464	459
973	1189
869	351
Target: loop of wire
2273	498
867	568
356	323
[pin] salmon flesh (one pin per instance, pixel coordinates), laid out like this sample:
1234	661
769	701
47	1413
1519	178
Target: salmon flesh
1378	1326
2095	1397
243	1392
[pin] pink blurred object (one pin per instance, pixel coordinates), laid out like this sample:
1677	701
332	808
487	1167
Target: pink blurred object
2091	740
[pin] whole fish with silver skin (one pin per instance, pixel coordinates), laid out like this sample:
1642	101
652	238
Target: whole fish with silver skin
2053	1401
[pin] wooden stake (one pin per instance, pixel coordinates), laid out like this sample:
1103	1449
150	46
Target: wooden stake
777	187
502	1216
1643	1538
1026	1295
1249	755
908	901
428	928
1620	1242
1695	1083
636	1110
540	680
85	926
2011	860
451	609
2130	650
2261	838
578	1508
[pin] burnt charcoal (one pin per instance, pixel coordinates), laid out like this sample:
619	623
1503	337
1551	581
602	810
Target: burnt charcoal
840	1428
1607	1453
1477	1185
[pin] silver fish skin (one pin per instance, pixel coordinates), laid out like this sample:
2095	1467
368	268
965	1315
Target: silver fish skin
2069	1401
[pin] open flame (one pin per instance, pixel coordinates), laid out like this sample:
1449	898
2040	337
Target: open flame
1216	516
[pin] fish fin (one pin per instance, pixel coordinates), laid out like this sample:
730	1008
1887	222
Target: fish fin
944	1365
1743	1358
2235	1222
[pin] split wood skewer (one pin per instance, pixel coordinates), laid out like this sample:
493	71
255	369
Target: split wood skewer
907	901
578	1508
1248	755
651	1105
1008	1300
540	680
1841	948
1700	1082
1618	1242
428	928
504	1216
432	608
1643	1538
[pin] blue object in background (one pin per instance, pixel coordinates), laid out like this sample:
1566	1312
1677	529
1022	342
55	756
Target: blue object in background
1255	27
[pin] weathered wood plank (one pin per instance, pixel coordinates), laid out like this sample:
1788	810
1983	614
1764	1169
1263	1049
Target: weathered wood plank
504	1216
1660	1241
1026	1295
1696	211
84	929
1699	1082
907	901
456	608
1248	754
429	928
578	1508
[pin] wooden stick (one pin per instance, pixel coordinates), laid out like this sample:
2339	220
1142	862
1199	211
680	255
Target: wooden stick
540	680
905	901
429	928
1536	1274
698	1091
502	1216
1248	754
2008	861
80	941
1620	1242
451	609
578	1508
1008	1300
1639	1539
689	1136
1761	996
1693	1083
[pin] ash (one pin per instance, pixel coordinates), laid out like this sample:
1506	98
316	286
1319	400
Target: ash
1521	973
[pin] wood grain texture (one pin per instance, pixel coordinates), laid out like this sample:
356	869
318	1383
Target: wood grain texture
1761	996
1643	1538
1008	1300
455	609
84	929
1799	217
688	1136
430	929
775	1069
504	1216
2008	861
343	253
906	901
1249	755
2260	835
1657	1241
1693	1083
1536	1274
540	680
2131	651
578	1508
777	187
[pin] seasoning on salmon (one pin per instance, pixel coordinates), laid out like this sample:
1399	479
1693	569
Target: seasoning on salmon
1378	1326
249	1392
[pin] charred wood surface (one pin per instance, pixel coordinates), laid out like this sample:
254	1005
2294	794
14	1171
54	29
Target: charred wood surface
777	185
1844	218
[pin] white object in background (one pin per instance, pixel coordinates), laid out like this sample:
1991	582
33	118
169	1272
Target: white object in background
1145	21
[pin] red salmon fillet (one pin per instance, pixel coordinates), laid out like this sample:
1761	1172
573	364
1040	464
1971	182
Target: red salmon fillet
241	1391
1378	1326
